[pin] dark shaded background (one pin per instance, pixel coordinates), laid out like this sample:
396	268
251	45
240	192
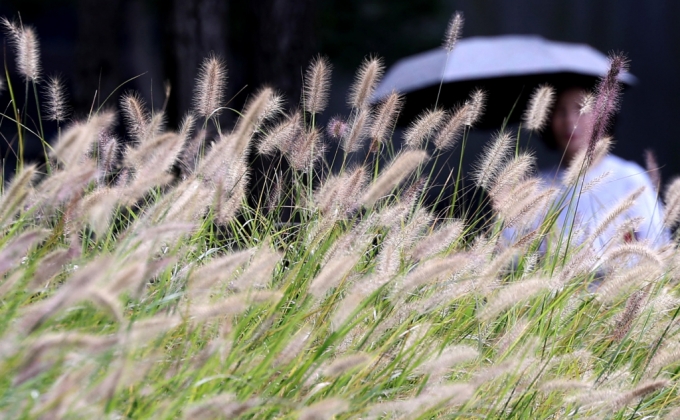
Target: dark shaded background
96	45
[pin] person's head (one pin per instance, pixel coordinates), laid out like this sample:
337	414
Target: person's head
569	130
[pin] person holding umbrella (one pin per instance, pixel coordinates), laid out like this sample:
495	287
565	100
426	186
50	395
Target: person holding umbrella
599	185
596	186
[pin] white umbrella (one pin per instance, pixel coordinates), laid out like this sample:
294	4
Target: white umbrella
508	66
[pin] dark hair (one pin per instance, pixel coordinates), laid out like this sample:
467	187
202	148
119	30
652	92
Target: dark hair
547	134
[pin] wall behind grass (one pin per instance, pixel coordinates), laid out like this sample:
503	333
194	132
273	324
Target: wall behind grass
97	45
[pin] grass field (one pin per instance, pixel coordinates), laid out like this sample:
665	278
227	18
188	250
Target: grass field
138	280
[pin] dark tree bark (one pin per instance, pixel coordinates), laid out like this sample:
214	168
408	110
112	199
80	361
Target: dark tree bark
284	40
98	65
196	28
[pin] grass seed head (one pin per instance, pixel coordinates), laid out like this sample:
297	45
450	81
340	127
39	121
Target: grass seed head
27	50
437	241
536	115
494	156
211	84
427	123
324	409
400	168
332	274
317	85
56	107
653	169
306	149
607	101
367	78
448	136
358	131
136	115
385	117
477	103
345	364
281	137
453	31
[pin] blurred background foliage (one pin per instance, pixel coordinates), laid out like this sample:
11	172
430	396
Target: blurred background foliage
96	45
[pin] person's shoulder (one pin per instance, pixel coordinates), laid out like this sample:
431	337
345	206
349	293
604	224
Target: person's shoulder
622	167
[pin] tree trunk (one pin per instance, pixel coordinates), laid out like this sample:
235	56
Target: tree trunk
196	28
98	65
284	42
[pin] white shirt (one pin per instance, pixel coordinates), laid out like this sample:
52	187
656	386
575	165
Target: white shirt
621	179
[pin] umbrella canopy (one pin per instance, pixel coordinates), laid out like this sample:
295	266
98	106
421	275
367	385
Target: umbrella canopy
508	67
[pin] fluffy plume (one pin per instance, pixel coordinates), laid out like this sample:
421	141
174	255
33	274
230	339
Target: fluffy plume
14	195
229	193
210	86
511	295
56	107
672	200
639	392
440	365
491	162
449	135
527	209
259	274
399	169
107	153
367	78
324	410
427	123
438	240
619	209
448	395
73	145
281	136
337	128
317	85
653	170
512	173
332	274
668	355
541	102
586	103
399	238
74	289
50	265
25	43
344	364
264	105
625	319
385	117
233	305
511	336
18	247
205	277
434	271
619	282
306	149
634	249
340	193
477	102
595	182
136	115
606	101
453	32
97	209
580	164
358	130
155	156
221	406
294	347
